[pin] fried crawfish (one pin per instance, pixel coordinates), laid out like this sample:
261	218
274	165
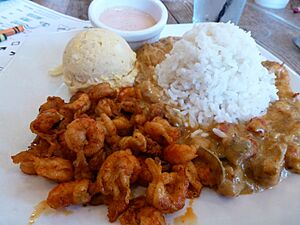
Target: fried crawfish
85	134
52	103
129	93
81	167
80	105
139	213
167	191
99	91
123	126
179	153
26	161
107	106
161	131
69	193
45	122
191	173
136	142
55	168
115	175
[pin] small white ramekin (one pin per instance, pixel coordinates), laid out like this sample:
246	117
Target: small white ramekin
134	38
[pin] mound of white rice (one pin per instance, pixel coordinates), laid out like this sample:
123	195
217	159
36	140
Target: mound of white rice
214	73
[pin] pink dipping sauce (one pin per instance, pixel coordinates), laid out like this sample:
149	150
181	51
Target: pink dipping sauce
127	18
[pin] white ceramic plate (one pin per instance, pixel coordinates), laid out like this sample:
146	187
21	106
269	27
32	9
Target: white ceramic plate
26	84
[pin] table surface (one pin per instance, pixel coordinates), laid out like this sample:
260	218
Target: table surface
272	29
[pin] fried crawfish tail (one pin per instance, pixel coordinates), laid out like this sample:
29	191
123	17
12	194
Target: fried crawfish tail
45	122
45	126
54	168
115	175
102	90
110	130
85	134
70	193
123	125
107	106
139	213
191	173
136	142
81	167
167	191
26	161
179	153
129	93
161	131
80	105
52	103
145	176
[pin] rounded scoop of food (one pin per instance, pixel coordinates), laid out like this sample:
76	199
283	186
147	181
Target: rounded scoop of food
214	73
98	55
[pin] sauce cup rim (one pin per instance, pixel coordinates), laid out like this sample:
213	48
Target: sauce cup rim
137	35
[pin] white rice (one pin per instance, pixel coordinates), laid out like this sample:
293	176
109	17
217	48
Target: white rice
214	73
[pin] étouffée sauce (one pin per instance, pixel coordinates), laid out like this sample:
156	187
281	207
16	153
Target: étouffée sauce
253	155
127	18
